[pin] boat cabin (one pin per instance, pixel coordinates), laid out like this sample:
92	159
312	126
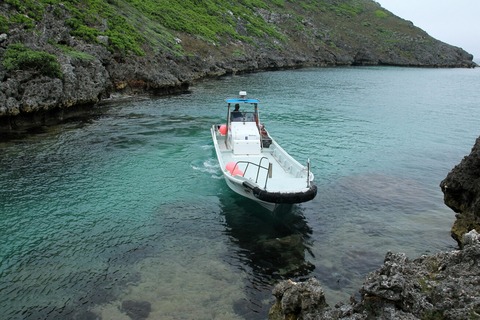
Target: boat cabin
244	134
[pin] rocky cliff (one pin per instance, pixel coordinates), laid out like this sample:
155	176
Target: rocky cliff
60	55
461	190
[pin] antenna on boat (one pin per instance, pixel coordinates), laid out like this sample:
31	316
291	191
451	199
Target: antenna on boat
242	94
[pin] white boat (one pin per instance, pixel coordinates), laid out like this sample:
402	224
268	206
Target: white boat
253	163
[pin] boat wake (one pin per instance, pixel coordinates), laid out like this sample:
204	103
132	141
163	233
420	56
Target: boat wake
207	166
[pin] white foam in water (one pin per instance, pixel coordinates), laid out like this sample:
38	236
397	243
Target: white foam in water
208	166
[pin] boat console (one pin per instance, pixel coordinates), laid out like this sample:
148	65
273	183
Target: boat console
245	138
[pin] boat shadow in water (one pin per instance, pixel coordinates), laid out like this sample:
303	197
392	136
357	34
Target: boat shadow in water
271	246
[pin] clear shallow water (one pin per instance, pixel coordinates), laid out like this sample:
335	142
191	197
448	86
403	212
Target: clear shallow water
129	204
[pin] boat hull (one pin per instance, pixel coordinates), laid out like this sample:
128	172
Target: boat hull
284	187
237	187
282	197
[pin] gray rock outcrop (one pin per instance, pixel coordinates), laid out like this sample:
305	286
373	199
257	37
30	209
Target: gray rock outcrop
440	286
461	190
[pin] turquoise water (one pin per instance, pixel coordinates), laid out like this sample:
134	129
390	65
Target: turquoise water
128	203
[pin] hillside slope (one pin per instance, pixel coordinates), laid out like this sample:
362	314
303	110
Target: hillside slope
58	54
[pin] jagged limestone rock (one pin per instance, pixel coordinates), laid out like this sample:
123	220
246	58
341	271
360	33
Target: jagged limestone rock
297	300
461	190
439	286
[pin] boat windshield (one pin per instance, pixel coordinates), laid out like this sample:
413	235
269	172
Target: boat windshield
243	116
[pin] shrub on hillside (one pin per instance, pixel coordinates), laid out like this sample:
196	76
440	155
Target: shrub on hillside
19	57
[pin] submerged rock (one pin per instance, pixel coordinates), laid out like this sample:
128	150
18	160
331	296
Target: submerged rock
284	256
295	300
136	310
440	286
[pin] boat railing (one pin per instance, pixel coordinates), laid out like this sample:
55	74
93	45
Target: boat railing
259	167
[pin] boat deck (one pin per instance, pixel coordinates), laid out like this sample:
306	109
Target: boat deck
286	176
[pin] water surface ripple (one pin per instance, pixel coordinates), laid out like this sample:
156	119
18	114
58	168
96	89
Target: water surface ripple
129	203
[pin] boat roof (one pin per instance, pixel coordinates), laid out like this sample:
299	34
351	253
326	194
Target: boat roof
237	100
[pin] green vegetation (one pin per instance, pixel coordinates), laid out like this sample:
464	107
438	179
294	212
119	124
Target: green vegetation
381	14
3	24
349	9
19	57
88	20
30	8
209	19
139	27
433	315
24	20
75	54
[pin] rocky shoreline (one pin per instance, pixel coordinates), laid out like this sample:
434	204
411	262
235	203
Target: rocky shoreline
90	73
439	286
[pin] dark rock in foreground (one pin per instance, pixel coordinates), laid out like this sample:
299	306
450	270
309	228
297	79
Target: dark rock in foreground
440	286
461	190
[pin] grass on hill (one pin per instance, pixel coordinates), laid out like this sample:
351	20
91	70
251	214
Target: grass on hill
19	57
140	26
